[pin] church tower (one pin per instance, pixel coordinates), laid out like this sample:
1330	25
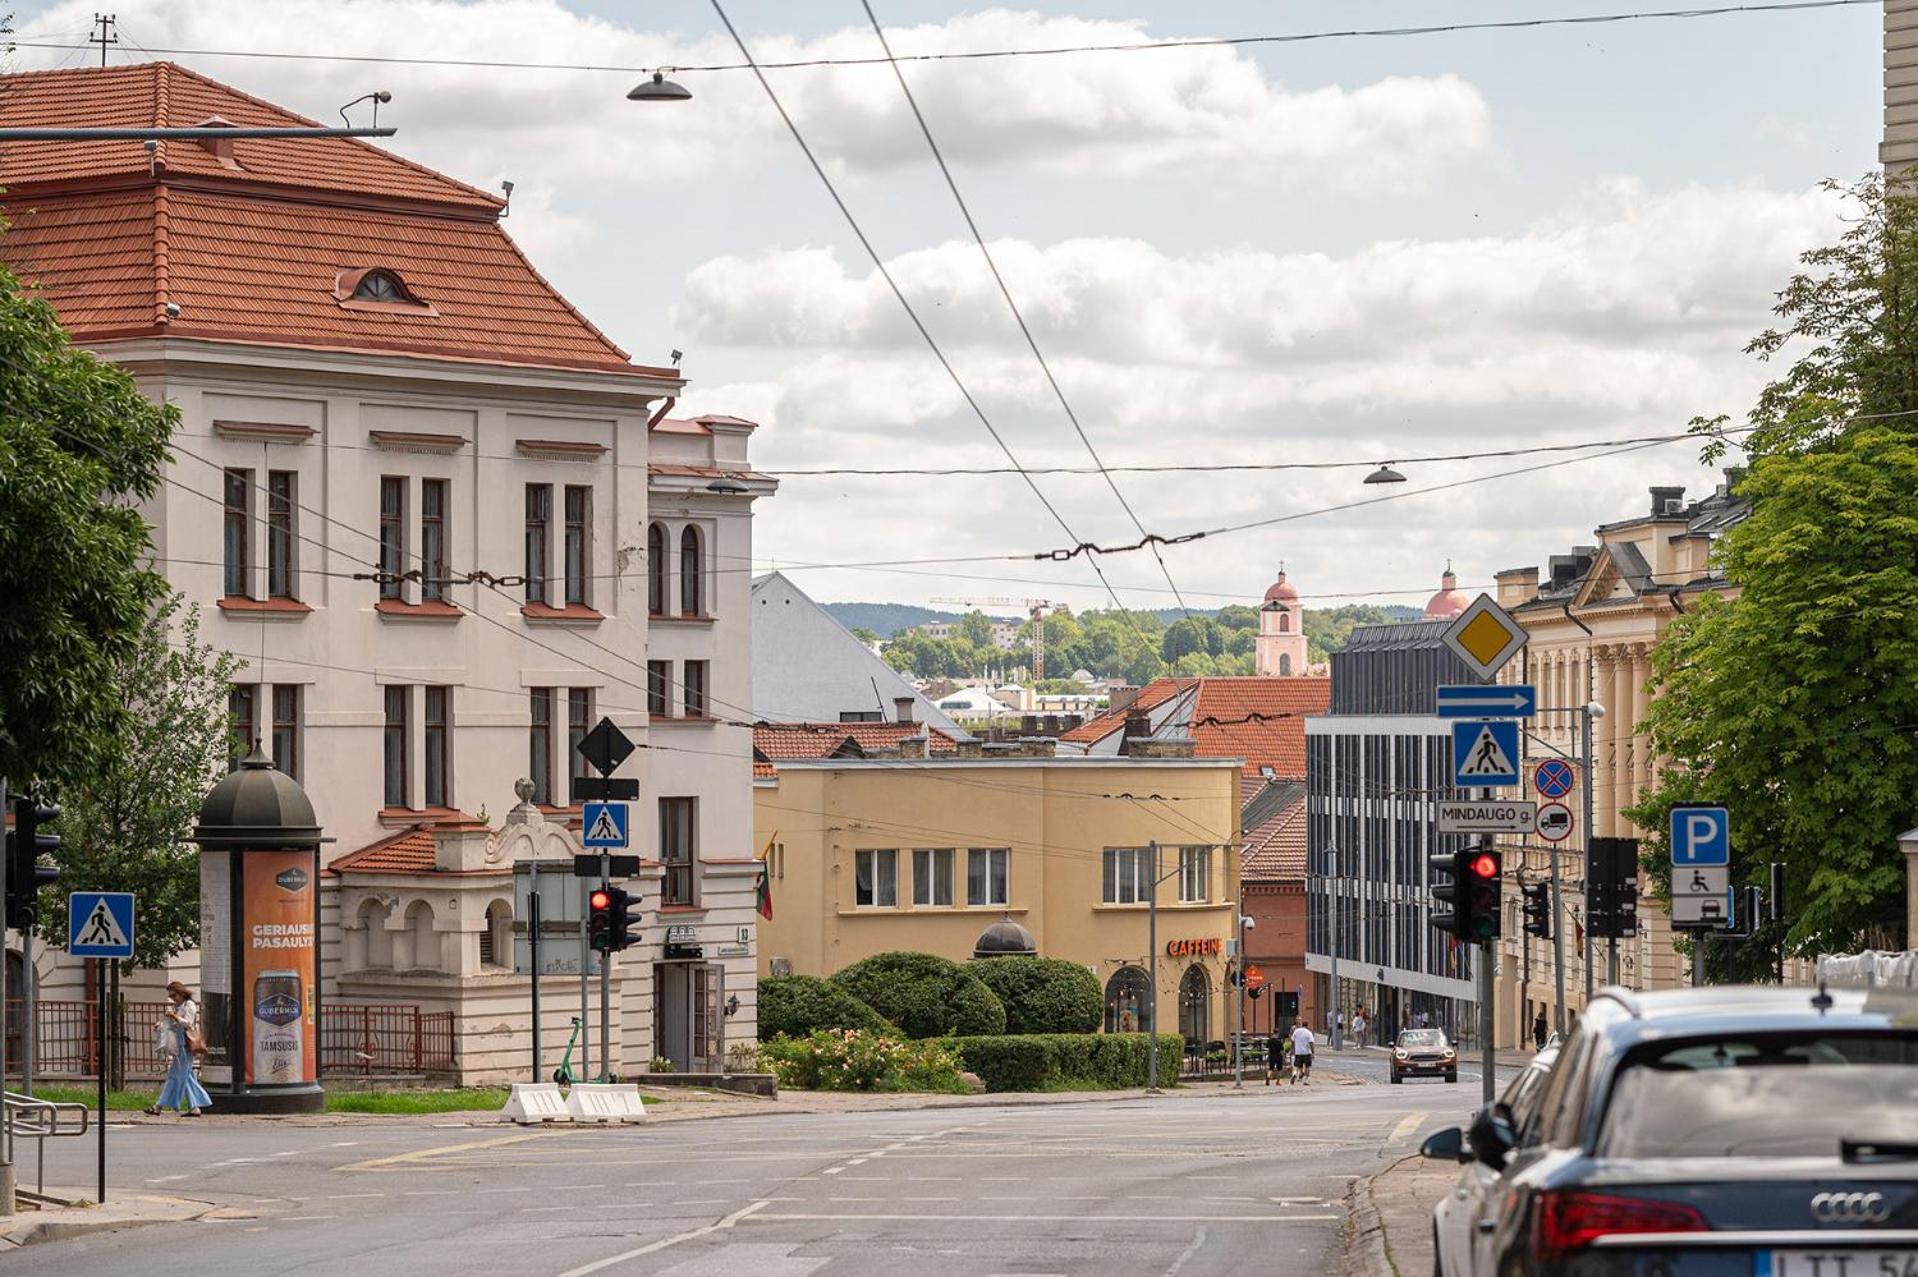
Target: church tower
1281	644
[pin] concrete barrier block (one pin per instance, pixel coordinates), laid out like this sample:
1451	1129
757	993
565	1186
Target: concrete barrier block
605	1102
535	1102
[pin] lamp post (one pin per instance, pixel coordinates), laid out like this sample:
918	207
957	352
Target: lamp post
1332	913
1238	1033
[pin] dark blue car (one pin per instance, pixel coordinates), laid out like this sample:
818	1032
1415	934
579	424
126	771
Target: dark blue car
1761	1132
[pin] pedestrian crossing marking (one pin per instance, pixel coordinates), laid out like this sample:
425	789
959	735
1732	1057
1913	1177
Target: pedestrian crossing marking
1486	757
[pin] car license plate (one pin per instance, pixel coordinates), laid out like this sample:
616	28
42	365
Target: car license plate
1838	1263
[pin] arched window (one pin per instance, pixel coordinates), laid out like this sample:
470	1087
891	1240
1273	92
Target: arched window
1128	1002
496	941
1195	1004
382	286
691	582
378	954
656	569
1285	663
1285	623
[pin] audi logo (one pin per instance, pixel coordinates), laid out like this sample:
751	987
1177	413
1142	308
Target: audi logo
1850	1208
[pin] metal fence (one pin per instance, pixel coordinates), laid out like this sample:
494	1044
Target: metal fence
356	1039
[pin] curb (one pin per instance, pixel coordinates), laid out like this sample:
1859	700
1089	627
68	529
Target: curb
71	1222
1368	1251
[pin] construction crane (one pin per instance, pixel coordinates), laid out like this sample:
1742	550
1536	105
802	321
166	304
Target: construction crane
1035	608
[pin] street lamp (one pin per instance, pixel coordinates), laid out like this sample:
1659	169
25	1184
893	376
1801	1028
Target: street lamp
1238	1037
1385	474
658	89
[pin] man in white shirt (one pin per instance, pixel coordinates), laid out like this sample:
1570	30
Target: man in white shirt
1302	1042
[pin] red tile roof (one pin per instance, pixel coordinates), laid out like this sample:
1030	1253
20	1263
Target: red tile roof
255	253
1275	850
822	740
410	851
1224	719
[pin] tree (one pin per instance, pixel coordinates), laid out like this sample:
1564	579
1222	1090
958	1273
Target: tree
974	627
1794	702
129	811
80	446
865	635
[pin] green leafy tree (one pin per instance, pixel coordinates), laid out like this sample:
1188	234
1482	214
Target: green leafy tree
80	446
129	811
865	635
925	995
976	628
1327	629
1794	703
1239	617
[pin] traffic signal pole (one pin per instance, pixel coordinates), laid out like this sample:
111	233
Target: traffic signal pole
606	983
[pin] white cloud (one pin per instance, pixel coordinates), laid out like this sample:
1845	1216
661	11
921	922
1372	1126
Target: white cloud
1208	113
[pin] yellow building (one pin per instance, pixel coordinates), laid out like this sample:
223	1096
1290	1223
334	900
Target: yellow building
874	844
1593	620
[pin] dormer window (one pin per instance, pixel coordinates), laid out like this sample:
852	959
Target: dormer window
378	288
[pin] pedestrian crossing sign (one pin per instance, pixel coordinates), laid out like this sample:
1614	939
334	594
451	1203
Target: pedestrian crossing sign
100	924
1485	754
604	825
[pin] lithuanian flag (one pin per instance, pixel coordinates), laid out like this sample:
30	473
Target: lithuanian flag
763	893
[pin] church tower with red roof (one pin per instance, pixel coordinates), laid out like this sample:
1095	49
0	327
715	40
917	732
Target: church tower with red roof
1281	643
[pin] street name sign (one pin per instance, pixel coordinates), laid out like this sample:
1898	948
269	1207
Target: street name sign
1555	822
1554	778
100	924
1491	816
604	825
1485	753
1485	636
1701	897
1701	835
1487	700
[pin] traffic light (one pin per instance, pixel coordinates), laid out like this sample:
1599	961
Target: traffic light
623	922
599	919
610	921
1538	911
1485	884
1611	872
26	843
1451	903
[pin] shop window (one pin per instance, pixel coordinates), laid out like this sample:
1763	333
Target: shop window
1195	1005
1128	1002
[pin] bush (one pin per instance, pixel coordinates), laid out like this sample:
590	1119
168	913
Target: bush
797	1005
1043	995
1068	1061
925	995
854	1060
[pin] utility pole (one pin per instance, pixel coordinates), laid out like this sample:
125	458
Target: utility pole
1488	1079
1238	1029
605	983
1152	968
105	22
1332	912
1587	712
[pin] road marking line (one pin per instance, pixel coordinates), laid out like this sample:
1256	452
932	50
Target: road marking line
728	1222
504	1190
700	1201
302	1219
527	1210
347	1197
426	1154
1198	1240
1040	1219
570	1188
165	1179
1411	1122
429	1192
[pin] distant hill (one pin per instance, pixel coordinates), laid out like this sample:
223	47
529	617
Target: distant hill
1402	612
885	619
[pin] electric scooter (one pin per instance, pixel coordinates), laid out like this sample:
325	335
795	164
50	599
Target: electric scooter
564	1073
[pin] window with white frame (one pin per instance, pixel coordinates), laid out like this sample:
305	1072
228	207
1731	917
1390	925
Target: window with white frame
986	876
1195	874
282	563
932	877
1128	876
876	879
237	533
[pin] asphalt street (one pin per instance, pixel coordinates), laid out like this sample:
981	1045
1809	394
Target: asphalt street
1221	1183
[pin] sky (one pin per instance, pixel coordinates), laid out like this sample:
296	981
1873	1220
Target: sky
1352	250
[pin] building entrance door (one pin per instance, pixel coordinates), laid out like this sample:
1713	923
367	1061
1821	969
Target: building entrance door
672	1021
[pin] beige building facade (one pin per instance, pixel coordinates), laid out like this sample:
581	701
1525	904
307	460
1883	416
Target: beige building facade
875	853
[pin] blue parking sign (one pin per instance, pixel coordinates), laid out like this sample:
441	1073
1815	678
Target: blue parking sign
1701	835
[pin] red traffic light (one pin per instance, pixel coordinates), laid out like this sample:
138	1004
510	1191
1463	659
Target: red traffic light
1483	865
600	899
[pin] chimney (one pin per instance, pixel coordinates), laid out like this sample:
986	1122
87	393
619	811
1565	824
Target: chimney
1517	585
1667	501
912	747
1179	748
969	749
902	709
1118	698
1137	724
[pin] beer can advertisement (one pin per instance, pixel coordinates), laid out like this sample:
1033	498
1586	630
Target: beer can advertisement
279	968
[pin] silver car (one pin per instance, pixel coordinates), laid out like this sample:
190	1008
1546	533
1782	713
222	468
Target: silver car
1457	1236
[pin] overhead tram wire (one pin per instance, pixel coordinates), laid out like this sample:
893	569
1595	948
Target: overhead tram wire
912	313
1025	329
39	40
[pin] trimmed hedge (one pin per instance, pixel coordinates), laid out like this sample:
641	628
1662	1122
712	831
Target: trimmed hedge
1043	995
798	1005
1038	1061
925	995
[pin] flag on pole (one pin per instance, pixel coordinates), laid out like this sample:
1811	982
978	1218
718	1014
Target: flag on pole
763	893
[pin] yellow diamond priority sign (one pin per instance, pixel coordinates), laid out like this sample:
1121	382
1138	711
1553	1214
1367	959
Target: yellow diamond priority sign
1485	636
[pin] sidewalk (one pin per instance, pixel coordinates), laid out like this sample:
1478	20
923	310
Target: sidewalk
58	1223
1390	1233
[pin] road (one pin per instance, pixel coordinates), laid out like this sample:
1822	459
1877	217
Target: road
1184	1185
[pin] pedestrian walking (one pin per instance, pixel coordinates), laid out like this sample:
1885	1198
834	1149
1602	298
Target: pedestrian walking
1302	1042
1538	1031
182	1023
1360	1022
1275	1045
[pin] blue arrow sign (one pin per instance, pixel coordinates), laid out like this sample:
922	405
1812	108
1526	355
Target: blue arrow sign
1487	700
100	924
603	825
1485	754
1701	835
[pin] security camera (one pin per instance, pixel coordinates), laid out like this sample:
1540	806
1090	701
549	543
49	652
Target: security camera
172	310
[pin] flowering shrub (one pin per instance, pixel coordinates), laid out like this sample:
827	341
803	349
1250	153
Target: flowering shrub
856	1060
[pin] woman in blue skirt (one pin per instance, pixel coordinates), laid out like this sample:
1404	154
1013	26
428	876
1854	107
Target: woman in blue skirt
182	1088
